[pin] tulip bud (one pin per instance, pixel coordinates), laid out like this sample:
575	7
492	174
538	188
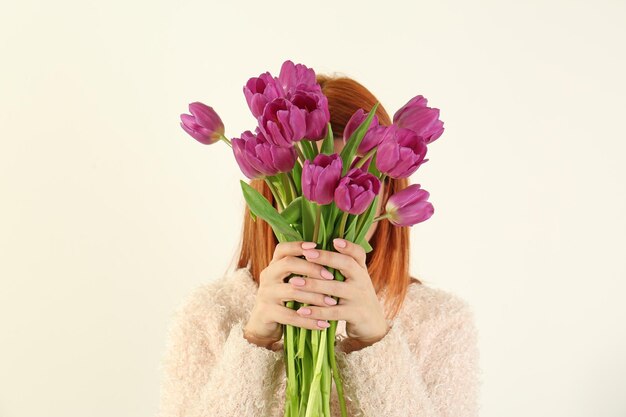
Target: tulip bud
203	124
409	206
314	104
400	152
373	135
295	76
282	123
320	177
258	158
420	118
356	191
261	90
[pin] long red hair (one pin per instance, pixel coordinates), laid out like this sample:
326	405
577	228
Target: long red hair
388	261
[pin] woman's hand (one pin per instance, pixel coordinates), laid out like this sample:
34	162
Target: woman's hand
358	303
269	313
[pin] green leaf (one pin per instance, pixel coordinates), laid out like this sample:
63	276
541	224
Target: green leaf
307	149
350	148
367	216
278	184
308	219
297	177
286	187
328	146
314	148
372	168
338	217
293	212
329	212
321	234
262	208
365	244
350	231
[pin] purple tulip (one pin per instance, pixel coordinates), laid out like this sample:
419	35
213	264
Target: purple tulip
320	177
409	206
282	123
417	116
293	76
258	158
401	152
356	191
372	137
290	107
261	90
203	124
315	106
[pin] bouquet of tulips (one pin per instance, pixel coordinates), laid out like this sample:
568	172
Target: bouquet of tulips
321	194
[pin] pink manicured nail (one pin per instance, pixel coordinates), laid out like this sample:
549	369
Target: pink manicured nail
323	324
340	243
330	301
304	310
326	274
297	281
311	253
308	245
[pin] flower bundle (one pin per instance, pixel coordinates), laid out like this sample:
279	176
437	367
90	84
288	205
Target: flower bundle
321	194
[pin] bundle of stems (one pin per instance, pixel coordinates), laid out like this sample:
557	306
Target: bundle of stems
312	363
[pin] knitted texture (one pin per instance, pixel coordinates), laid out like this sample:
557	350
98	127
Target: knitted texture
427	365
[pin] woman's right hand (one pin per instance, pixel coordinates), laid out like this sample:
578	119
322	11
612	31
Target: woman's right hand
264	326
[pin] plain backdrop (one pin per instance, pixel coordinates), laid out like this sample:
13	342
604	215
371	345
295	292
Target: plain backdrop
110	214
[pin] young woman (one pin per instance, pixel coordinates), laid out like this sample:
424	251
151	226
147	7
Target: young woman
403	348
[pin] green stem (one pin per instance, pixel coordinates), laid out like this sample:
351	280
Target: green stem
292	184
314	334
381	217
316	151
287	187
359	222
342	225
332	332
301	156
362	217
318	215
326	382
313	402
292	391
281	204
225	139
365	158
310	147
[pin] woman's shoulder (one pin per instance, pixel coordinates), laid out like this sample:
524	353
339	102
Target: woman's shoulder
230	295
232	283
425	302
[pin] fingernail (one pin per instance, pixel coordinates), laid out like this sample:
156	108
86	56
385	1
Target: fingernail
326	274
323	323
308	245
297	281
330	301
311	253
303	310
339	243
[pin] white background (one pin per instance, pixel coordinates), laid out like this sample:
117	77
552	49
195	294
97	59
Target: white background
111	214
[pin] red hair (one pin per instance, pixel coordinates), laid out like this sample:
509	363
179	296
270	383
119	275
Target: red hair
388	261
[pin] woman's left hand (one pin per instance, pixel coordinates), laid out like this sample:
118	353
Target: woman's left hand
358	303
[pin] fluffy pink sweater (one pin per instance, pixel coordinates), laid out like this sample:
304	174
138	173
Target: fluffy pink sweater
426	365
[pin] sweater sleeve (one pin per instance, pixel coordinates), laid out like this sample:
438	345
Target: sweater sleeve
409	372
209	368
